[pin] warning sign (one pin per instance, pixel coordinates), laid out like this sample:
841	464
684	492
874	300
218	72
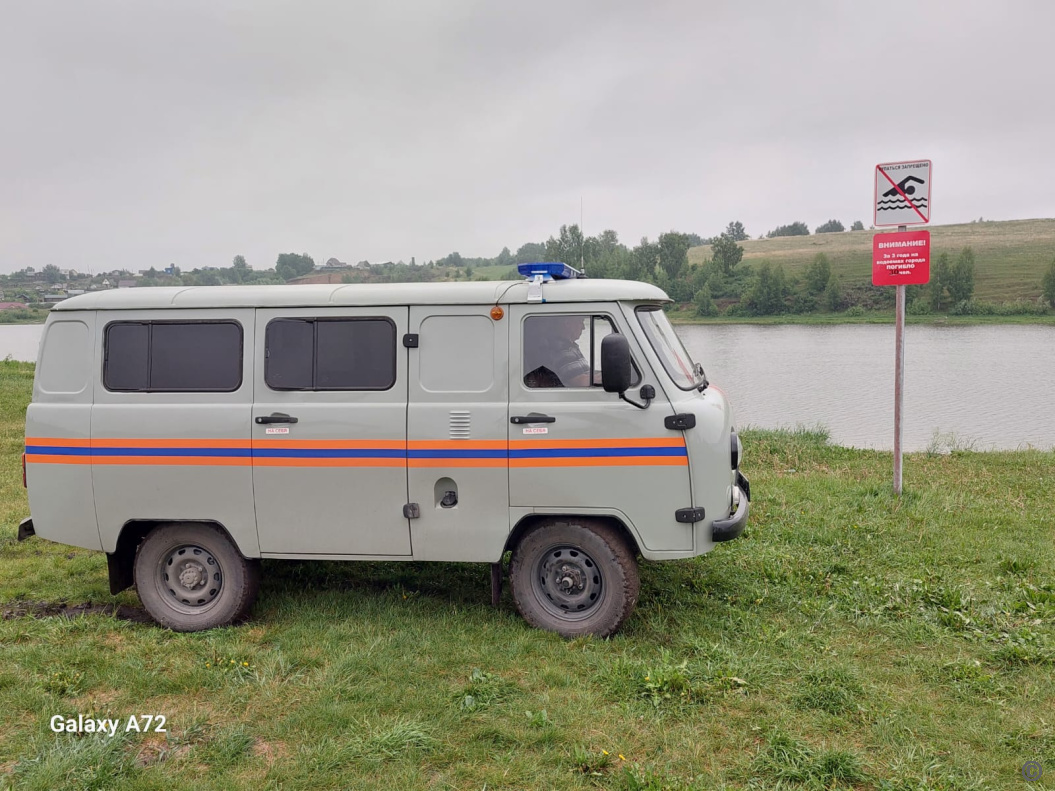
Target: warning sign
901	259
902	193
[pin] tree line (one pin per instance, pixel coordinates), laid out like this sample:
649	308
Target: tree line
721	285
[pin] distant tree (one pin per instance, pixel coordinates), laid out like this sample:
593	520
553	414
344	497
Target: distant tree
291	265
673	253
468	272
735	231
704	302
795	229
567	246
818	273
833	296
940	278
695	240
961	285
857	226
504	258
208	278
1047	284
643	260
531	252
51	273
452	259
832	226
765	296
726	254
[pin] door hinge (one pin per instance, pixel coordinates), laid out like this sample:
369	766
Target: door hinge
689	515
411	511
681	422
410	340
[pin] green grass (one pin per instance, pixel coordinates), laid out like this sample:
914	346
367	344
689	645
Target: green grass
1010	256
849	639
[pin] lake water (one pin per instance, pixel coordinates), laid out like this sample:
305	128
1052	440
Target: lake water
985	387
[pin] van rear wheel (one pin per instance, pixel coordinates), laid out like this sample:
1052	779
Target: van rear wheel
190	577
574	578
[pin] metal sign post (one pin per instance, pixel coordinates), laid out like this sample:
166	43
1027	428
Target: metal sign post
902	194
899	376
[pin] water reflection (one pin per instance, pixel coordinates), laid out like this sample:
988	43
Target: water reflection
989	387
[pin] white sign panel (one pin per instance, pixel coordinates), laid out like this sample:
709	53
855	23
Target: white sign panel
902	195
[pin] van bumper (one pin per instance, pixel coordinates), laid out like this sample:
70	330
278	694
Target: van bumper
25	529
728	529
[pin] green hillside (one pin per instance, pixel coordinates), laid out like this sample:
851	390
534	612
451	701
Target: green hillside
1010	257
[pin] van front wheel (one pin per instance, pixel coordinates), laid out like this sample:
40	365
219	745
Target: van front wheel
191	577
574	578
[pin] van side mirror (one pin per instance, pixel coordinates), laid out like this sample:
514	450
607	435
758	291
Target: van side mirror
616	371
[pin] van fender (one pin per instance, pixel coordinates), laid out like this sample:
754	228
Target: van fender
614	517
120	562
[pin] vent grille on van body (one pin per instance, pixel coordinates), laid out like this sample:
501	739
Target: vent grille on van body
461	423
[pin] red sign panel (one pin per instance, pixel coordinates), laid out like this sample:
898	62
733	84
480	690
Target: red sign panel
901	259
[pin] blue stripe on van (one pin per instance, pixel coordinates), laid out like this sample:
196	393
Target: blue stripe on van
328	453
588	453
458	454
51	450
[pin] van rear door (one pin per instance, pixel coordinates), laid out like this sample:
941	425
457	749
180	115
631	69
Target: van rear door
329	432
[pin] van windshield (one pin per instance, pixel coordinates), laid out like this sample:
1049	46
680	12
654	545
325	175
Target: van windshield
667	344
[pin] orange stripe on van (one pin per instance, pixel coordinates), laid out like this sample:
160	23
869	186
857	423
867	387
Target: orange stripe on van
604	461
457	462
39	458
331	444
288	462
110	442
181	461
56	442
457	444
552	444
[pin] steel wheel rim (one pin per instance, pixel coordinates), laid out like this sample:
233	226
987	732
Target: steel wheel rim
189	578
568	583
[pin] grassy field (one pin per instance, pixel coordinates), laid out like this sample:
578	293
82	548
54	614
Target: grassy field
1010	257
848	640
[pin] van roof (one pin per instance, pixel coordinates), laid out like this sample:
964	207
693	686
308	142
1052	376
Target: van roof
476	293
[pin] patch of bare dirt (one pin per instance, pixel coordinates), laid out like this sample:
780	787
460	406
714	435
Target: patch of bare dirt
44	609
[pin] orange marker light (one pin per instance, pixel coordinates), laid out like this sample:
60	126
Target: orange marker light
497	313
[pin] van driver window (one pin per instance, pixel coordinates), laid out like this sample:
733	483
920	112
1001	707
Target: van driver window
558	351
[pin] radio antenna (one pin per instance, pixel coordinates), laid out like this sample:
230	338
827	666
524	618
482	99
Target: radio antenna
582	241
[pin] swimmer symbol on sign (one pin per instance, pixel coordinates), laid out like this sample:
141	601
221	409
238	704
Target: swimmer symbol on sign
893	197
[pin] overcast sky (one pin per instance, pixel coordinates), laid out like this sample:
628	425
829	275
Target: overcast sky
139	133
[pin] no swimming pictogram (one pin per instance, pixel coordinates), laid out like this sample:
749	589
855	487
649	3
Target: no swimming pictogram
902	194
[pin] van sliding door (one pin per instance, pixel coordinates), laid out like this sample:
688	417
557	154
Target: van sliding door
329	432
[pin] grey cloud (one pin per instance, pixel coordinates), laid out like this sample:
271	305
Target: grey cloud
138	133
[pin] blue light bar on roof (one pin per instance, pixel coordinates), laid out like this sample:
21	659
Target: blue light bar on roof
550	270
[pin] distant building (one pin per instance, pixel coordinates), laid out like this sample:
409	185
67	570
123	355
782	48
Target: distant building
13	305
126	284
51	299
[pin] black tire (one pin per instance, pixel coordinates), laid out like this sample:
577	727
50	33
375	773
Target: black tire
190	577
574	578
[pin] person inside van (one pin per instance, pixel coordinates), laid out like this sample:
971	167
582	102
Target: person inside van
552	357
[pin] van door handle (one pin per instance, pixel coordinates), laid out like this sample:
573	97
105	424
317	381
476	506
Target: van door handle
276	417
534	417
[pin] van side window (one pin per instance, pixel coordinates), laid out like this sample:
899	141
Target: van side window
330	354
173	356
564	350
